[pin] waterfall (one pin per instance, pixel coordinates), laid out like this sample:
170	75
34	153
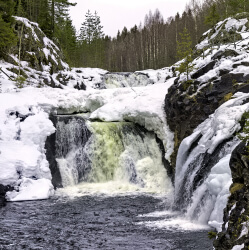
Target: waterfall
203	175
200	177
121	80
71	138
109	153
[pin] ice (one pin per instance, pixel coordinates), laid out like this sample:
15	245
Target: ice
238	247
32	190
222	125
244	231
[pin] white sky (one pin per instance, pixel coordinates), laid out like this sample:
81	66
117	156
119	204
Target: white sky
115	14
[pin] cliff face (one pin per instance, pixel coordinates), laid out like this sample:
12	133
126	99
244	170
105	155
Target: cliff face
219	71
221	68
186	105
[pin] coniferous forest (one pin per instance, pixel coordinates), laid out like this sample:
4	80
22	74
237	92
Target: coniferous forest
152	44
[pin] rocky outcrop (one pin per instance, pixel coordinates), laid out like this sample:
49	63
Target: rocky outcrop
186	106
236	214
36	48
3	191
59	144
220	70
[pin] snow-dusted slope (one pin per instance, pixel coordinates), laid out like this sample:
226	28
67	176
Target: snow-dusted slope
41	64
226	45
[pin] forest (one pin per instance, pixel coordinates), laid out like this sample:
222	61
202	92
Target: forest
151	44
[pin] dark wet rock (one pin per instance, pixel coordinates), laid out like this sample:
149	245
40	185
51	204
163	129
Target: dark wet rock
203	70
19	115
3	191
226	53
186	107
236	213
80	86
223	72
50	147
53	143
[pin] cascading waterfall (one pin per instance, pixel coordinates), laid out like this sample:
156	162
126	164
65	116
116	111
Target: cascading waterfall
196	174
71	138
203	174
119	154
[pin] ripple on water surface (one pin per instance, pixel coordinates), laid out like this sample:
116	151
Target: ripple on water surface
95	222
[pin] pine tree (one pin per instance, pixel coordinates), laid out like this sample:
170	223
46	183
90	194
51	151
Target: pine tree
59	14
87	28
20	10
91	41
68	41
7	10
237	6
184	51
97	27
7	36
213	16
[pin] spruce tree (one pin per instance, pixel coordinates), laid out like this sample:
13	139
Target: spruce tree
184	51
213	16
91	41
7	36
238	6
7	10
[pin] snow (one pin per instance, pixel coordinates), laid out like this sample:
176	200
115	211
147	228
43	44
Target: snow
238	25
25	125
32	190
238	247
235	24
230	24
244	231
90	77
143	106
28	24
49	43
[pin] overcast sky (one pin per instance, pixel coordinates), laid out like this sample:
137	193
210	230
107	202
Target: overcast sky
115	14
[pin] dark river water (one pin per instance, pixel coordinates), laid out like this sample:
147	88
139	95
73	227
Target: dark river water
92	222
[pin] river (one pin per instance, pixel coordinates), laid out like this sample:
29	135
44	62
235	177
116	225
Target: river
91	221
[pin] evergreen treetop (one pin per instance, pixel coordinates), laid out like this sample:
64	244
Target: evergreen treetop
213	16
91	28
184	50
